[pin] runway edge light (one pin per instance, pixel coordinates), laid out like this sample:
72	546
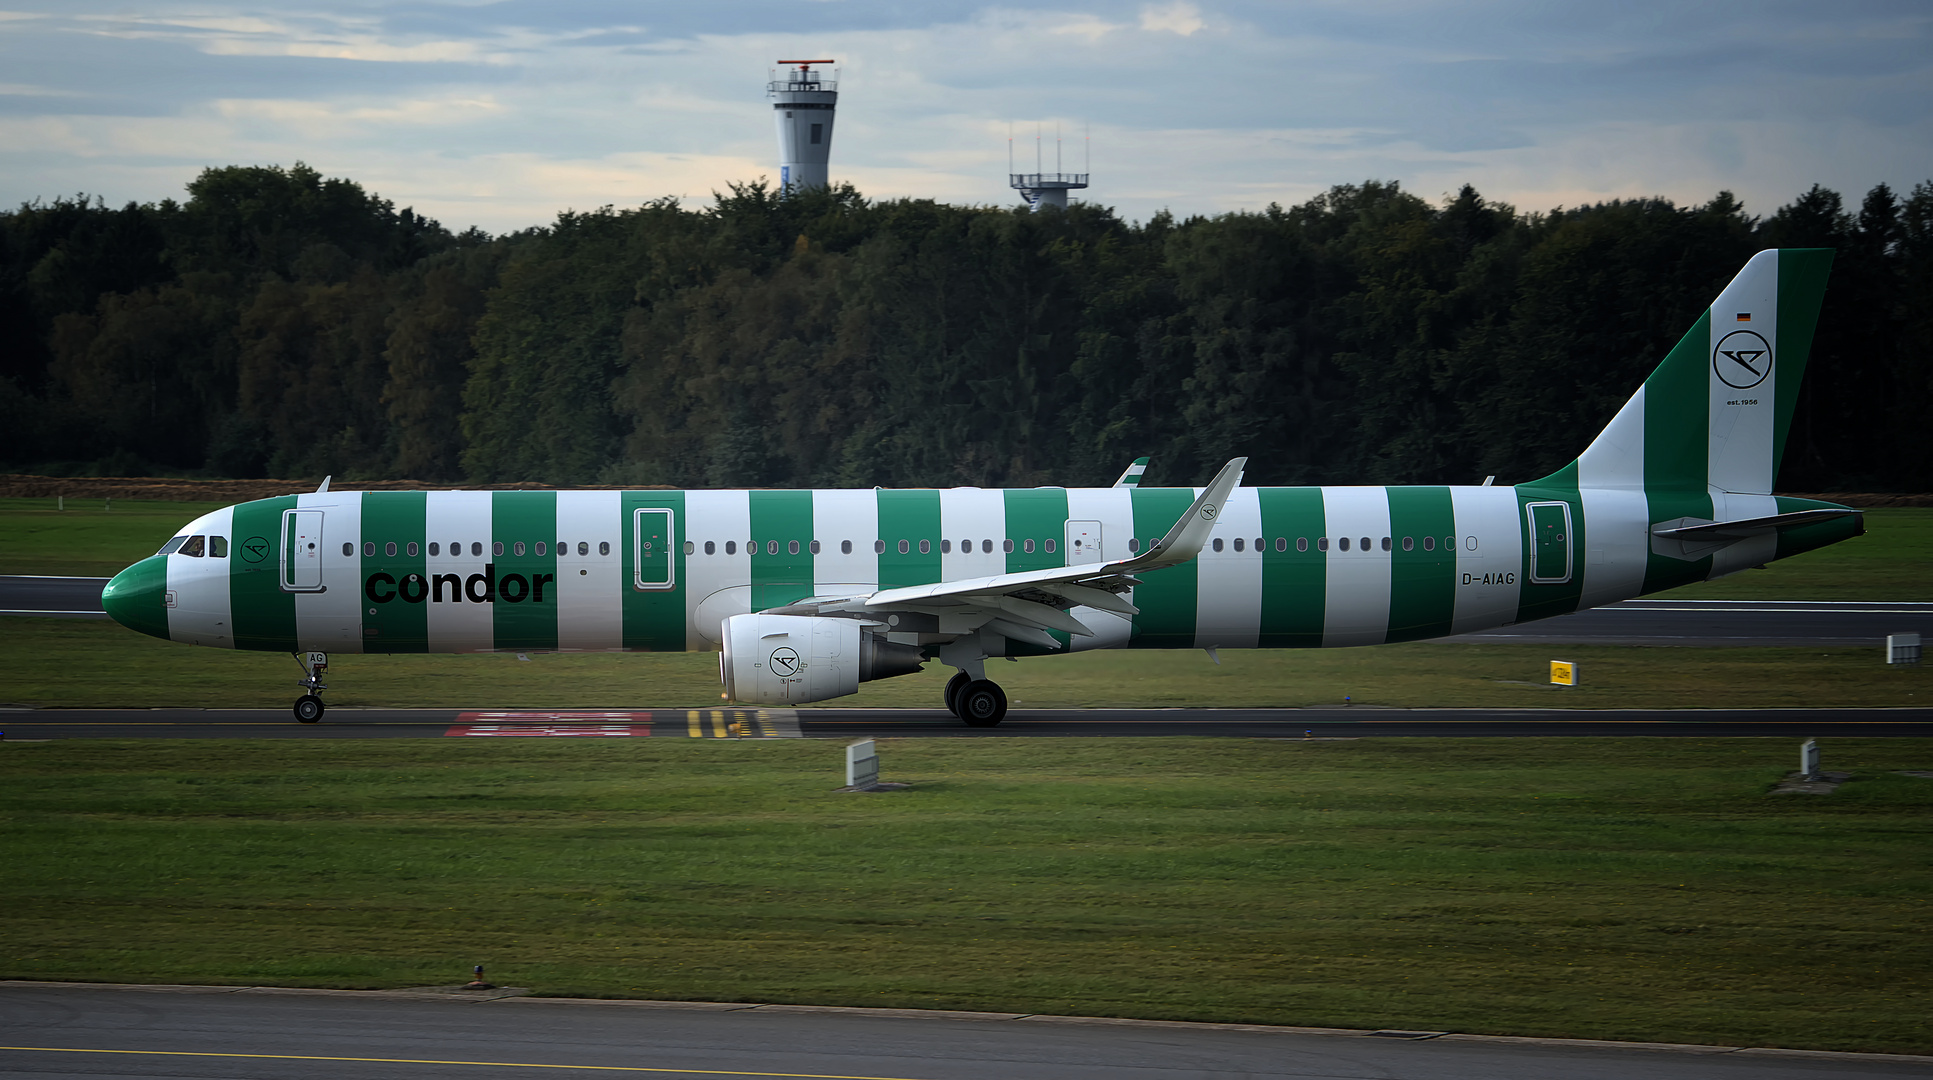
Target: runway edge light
1563	673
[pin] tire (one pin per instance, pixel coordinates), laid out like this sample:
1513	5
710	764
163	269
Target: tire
982	703
308	708
953	688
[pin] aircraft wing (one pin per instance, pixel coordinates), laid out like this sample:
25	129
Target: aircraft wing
1026	605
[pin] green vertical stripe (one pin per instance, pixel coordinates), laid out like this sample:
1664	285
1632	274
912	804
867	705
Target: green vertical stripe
1422	584
909	516
136	597
654	619
1677	448
781	519
399	624
263	613
1039	515
1167	598
1802	289
1294	582
1536	601
524	517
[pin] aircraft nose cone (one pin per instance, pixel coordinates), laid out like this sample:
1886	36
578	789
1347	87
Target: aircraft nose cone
135	597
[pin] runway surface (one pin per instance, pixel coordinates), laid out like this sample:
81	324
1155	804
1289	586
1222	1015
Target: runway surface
1323	723
1633	622
102	1033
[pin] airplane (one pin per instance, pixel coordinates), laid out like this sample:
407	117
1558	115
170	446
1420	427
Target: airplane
807	594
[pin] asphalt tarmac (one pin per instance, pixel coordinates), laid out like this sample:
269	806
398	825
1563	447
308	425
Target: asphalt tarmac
724	723
107	1033
1633	622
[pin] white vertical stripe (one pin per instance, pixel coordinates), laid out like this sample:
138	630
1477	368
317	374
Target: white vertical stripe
1616	457
1489	516
590	587
1356	607
201	614
331	620
1617	537
454	521
1739	456
1113	508
1751	551
972	516
1228	592
717	585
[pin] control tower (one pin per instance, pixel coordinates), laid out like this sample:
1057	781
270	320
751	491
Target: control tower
1043	189
803	104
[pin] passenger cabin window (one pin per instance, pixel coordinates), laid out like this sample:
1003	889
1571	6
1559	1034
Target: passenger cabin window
1238	544
904	547
518	549
1218	543
1027	547
389	550
814	547
1385	543
946	547
368	549
1050	546
711	547
540	547
845	547
772	547
1301	543
496	548
986	547
604	547
435	549
1007	546
476	549
792	547
689	548
1134	545
1429	543
348	549
731	547
196	546
1322	543
926	547
1344	543
1469	542
583	548
879	547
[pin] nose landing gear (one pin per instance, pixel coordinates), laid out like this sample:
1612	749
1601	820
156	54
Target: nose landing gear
308	707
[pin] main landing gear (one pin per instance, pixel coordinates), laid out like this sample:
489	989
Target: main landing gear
980	702
308	707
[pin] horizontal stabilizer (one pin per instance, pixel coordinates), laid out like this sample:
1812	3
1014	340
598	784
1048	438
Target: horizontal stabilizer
1719	530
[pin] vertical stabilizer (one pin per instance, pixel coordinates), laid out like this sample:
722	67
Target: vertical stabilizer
1714	415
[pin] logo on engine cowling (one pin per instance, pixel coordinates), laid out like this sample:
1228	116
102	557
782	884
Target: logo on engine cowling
784	662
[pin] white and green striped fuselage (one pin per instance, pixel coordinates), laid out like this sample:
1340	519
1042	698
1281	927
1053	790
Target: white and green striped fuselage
814	592
470	571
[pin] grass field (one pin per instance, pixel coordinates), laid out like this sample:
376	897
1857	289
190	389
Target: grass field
1620	889
1893	561
73	663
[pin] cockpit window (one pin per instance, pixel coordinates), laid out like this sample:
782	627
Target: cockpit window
172	546
196	546
218	547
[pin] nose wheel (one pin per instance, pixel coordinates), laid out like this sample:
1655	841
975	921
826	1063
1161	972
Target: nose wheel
309	708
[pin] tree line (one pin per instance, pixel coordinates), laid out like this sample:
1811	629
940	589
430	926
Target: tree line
280	323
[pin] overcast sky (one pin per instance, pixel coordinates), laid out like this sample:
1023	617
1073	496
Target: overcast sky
501	114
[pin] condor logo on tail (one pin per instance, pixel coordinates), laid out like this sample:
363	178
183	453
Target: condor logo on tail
484	588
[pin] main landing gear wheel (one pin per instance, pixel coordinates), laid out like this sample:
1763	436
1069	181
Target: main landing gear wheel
308	708
981	703
953	687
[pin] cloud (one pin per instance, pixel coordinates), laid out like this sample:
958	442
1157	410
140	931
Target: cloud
1177	18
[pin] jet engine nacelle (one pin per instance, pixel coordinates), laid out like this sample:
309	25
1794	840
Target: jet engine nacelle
791	659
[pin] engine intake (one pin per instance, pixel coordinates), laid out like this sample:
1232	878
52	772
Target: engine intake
792	659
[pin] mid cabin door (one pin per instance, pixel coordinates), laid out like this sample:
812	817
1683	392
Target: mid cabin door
653	567
1083	543
302	550
1550	542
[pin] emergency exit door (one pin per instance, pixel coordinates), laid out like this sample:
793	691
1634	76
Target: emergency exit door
1550	542
1083	543
302	550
